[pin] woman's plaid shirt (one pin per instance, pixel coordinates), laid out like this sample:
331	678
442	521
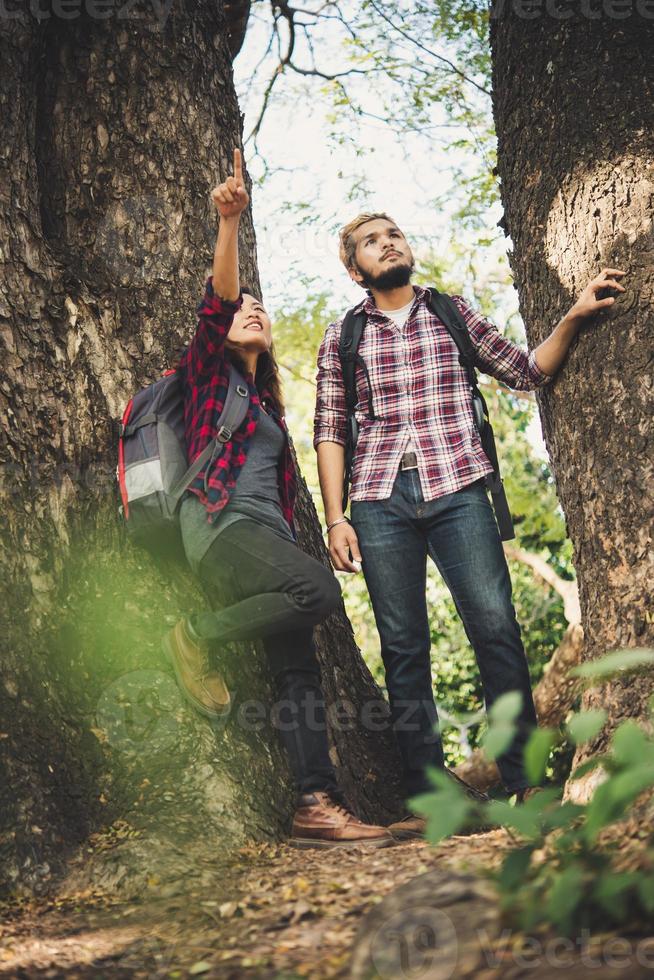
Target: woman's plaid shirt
204	370
419	390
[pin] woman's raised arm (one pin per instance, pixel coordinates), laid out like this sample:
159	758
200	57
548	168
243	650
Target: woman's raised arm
231	199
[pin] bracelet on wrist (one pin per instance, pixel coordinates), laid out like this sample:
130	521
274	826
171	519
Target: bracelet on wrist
341	520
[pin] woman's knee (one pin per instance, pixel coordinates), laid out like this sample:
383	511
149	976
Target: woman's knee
320	594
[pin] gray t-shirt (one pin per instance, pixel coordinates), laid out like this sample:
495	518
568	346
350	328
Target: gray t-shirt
255	496
400	318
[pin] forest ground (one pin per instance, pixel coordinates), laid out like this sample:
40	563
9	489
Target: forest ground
269	911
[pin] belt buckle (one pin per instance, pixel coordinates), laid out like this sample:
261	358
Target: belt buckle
409	461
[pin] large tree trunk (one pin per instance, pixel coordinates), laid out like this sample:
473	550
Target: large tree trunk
575	121
114	132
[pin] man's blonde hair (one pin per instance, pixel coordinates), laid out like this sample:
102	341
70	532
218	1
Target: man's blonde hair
347	246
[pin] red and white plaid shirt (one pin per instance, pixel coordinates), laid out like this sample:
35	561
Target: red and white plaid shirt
204	372
419	390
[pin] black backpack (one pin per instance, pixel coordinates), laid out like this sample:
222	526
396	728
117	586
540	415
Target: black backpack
153	472
442	306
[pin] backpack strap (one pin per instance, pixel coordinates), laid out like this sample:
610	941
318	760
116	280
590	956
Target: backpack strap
352	329
234	411
348	351
444	307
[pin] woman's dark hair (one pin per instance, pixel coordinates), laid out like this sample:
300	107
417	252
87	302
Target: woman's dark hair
267	373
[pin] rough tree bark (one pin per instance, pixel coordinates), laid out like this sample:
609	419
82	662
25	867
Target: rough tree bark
574	111
114	132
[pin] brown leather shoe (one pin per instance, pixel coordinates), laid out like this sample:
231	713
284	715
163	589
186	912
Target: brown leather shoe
203	687
321	821
411	826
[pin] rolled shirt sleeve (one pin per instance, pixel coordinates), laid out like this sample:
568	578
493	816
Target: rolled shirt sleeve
330	419
215	316
498	356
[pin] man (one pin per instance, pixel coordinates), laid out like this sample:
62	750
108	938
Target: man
418	486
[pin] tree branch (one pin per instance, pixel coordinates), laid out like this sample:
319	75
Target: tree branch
439	57
566	589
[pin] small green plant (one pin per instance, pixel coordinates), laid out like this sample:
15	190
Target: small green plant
558	873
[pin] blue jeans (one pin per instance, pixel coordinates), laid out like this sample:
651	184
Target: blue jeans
459	532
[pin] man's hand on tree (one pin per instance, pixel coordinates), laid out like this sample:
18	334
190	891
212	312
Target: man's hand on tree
343	541
231	197
588	304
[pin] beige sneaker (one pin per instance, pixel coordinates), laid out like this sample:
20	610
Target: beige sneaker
321	821
203	687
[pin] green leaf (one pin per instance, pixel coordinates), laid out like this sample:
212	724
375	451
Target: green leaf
565	896
610	891
646	892
613	796
600	811
537	752
497	740
442	781
624	787
587	766
501	718
562	816
514	868
629	745
522	818
444	815
506	708
585	725
202	966
611	663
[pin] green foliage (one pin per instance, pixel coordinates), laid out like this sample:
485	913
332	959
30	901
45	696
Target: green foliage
537	753
420	71
577	886
502	717
585	725
613	663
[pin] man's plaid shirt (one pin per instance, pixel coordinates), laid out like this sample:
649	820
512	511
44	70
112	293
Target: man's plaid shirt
204	371
419	389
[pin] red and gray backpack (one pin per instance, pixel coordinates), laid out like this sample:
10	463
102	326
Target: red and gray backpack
153	471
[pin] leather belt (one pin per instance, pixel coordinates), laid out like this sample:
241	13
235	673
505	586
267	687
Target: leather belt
409	462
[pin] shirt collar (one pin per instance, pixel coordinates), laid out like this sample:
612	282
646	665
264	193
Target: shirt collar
367	305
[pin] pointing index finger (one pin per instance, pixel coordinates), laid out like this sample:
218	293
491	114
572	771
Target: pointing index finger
238	165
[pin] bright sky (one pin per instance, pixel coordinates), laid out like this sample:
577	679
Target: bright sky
302	203
317	176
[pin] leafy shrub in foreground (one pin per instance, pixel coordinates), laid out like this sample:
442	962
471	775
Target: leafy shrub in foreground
558	873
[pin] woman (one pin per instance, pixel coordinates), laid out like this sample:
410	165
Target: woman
237	527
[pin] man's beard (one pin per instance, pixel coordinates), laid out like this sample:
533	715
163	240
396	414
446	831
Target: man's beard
393	278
